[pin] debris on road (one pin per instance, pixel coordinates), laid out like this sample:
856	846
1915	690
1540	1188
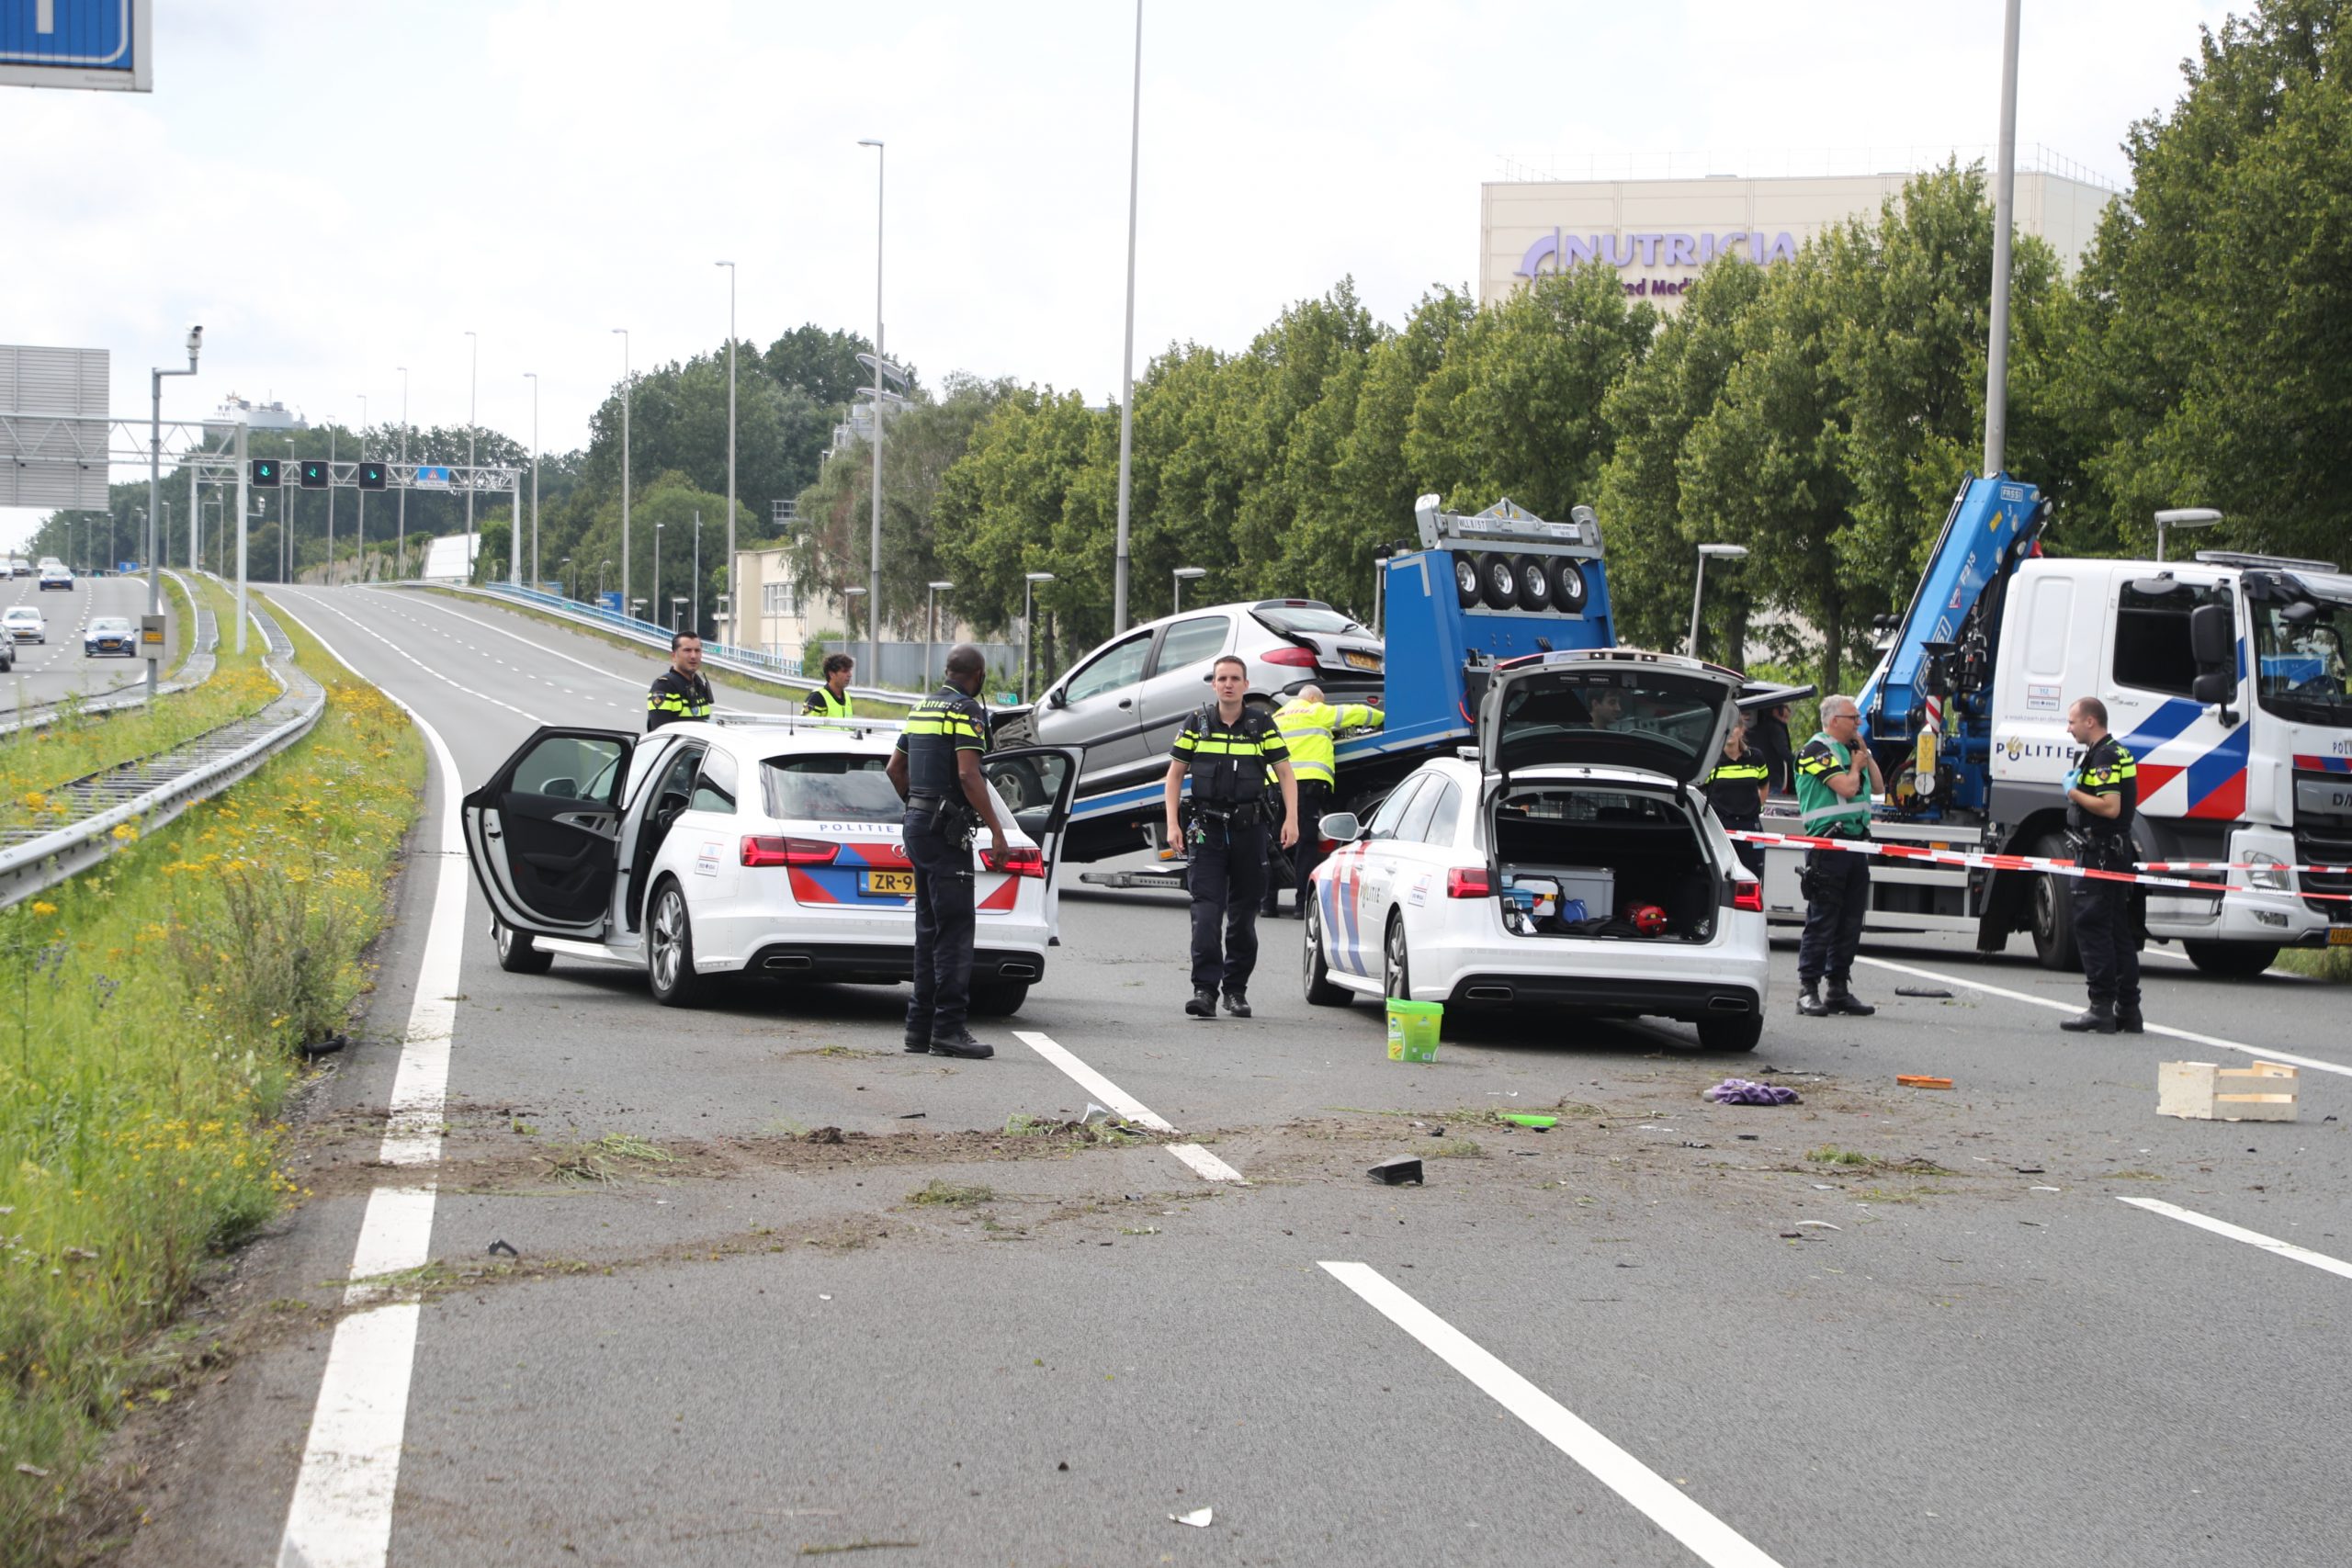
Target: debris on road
498	1246
824	1136
914	1116
2205	1092
1198	1518
1530	1121
1818	1225
314	1049
1921	1080
1094	1114
1397	1172
1747	1091
1924	991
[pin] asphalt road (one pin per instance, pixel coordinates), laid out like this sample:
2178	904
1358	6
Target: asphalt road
45	672
1666	1332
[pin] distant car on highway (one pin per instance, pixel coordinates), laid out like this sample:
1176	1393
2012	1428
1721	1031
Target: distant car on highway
19	567
25	624
57	576
110	634
749	845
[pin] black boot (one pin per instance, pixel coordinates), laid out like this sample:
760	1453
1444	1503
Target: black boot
1809	1001
2097	1019
1237	1004
1842	1001
916	1041
959	1042
1202	1005
2127	1018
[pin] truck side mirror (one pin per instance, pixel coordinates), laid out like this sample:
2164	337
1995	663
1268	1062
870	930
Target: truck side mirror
2212	638
2212	690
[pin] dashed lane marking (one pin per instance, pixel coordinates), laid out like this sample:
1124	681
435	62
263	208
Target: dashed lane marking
421	664
1203	1163
2239	1233
1710	1540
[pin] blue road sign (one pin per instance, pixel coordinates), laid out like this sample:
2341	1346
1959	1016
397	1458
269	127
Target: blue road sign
77	43
433	476
611	600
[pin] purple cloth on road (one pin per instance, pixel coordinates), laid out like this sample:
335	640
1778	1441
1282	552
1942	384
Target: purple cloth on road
1743	1091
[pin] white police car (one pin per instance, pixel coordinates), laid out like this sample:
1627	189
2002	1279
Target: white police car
749	844
1573	862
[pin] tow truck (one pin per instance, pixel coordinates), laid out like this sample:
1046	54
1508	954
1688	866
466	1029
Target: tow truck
2224	676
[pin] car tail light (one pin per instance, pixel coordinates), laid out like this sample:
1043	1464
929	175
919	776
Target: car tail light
1303	658
1467	882
760	849
1747	895
1020	860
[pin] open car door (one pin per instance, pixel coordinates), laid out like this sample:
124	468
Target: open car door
1040	782
544	834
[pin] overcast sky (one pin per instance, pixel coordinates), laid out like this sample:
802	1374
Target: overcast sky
335	189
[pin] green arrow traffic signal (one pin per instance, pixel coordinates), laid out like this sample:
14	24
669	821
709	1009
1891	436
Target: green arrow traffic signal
265	472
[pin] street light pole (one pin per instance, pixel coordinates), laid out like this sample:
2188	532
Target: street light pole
2005	184
473	382
731	466
931	642
850	596
2183	518
624	335
731	566
286	510
155	486
1182	575
399	547
657	563
1120	563
533	377
1699	585
873	554
1029	581
360	559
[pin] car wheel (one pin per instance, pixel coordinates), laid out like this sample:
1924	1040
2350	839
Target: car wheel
1534	583
670	950
1567	586
1465	580
517	953
999	999
2053	920
1395	965
1498	581
2235	960
1731	1034
1320	990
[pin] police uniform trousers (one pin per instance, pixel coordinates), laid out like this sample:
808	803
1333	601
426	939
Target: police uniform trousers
944	919
1750	855
2110	946
1226	879
1837	895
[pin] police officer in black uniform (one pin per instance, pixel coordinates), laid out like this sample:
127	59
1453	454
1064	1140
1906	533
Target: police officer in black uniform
937	770
680	691
1736	790
1228	748
2102	798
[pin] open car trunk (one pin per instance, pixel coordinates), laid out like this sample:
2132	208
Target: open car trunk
1583	858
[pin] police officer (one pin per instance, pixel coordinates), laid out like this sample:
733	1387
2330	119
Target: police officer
1736	790
1836	777
1228	748
1307	724
831	699
1769	740
2102	798
680	691
937	770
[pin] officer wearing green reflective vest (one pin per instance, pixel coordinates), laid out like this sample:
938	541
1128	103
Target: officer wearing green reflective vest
1308	723
2102	799
1736	790
1835	776
680	691
831	699
937	770
1227	746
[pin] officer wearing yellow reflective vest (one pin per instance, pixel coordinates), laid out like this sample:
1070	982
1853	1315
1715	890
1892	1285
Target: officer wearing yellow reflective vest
831	699
1736	790
1227	746
680	691
1307	724
2102	799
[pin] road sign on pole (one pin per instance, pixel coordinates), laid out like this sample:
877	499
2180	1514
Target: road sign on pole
105	44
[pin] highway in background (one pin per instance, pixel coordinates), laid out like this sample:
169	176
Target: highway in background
1881	1325
46	671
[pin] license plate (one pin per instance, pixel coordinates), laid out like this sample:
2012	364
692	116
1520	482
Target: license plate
886	883
1361	660
2339	936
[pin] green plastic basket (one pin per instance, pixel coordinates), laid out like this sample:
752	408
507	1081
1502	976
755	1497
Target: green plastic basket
1412	1030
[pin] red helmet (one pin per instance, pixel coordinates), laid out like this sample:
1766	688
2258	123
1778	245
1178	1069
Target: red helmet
1646	919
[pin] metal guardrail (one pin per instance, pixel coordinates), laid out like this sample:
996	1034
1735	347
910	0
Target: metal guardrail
718	655
195	669
153	790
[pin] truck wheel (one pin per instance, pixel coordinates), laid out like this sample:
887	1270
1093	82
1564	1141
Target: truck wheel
1534	583
1320	991
1465	581
1567	586
2235	960
1498	581
2053	920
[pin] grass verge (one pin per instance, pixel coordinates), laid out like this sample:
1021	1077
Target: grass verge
721	679
2321	963
35	762
150	1012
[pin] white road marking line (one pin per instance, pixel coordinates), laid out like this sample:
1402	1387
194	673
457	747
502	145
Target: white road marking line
428	669
1202	1162
2239	1233
341	1515
537	647
2218	1043
1709	1539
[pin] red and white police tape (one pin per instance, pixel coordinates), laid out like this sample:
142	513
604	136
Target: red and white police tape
2027	862
2242	865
